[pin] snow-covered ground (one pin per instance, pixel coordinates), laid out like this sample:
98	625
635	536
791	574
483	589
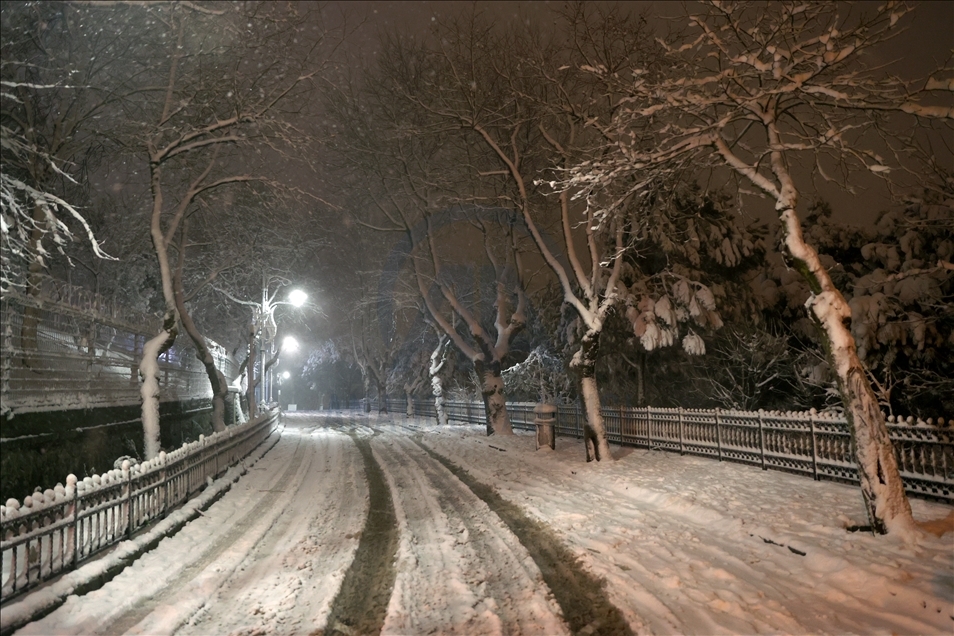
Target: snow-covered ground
686	545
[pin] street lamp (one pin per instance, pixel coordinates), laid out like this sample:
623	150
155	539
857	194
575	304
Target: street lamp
296	298
288	345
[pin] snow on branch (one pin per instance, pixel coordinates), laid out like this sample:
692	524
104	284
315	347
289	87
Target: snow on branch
744	68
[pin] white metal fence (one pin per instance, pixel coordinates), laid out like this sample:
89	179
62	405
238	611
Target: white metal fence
802	442
52	532
66	350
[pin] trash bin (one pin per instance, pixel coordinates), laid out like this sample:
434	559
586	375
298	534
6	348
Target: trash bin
544	419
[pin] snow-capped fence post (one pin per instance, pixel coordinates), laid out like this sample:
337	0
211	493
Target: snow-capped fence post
72	495
127	497
164	485
682	435
811	427
718	423
761	440
649	427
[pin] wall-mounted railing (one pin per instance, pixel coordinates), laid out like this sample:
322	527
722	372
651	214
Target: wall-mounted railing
54	531
802	442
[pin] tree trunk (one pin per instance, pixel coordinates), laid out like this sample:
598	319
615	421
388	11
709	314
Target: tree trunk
367	389
149	390
495	403
641	378
220	387
250	389
594	431
410	402
270	384
438	360
437	387
886	502
382	396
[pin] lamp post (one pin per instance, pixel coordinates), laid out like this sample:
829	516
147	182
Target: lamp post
288	345
296	298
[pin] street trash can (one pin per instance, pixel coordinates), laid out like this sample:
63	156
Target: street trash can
544	419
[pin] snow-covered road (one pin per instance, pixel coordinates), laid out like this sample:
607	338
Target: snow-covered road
685	545
460	569
266	558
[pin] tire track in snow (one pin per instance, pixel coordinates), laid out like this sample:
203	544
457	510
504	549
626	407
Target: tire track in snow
460	570
197	572
287	584
581	595
150	574
361	603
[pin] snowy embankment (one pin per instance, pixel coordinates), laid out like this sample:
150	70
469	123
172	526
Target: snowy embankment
693	546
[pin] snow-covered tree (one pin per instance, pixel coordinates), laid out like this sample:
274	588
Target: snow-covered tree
47	142
205	91
421	183
329	374
490	94
897	276
375	340
753	90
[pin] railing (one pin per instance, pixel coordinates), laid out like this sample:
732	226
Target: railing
801	442
57	355
54	531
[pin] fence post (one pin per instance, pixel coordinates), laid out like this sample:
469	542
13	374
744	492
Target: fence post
761	440
682	445
73	509
811	426
649	427
718	432
127	492
163	475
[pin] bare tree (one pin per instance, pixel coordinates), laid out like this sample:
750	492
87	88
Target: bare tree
207	107
49	100
374	342
420	182
751	90
522	111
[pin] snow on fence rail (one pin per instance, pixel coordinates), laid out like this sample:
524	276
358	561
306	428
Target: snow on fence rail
63	350
802	442
52	532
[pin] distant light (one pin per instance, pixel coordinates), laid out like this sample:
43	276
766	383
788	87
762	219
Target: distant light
297	297
286	375
289	344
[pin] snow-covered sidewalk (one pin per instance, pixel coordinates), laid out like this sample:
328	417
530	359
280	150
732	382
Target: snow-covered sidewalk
694	546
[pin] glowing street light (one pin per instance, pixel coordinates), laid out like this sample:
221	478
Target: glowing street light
289	344
297	297
286	375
